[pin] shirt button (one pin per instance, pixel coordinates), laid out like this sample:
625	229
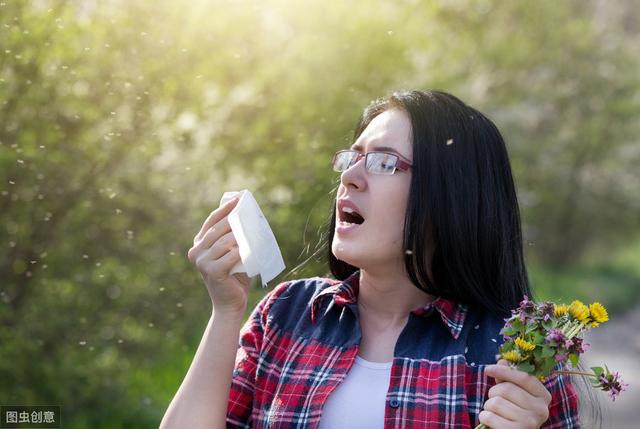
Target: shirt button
394	403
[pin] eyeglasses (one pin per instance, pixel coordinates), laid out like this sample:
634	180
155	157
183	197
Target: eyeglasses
375	162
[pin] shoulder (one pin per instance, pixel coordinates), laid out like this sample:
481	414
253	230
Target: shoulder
293	298
299	291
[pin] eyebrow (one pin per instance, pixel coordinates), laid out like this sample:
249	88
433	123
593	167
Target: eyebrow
379	148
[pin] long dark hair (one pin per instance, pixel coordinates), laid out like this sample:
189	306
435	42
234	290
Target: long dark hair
463	197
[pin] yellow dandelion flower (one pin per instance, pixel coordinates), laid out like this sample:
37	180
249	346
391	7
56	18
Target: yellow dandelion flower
512	356
560	310
523	345
542	378
598	314
579	311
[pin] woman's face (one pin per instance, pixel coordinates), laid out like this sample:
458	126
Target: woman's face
381	199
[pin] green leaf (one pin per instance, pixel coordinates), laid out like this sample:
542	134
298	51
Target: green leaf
574	359
548	324
548	351
507	346
517	325
526	367
537	354
509	331
547	365
537	338
531	327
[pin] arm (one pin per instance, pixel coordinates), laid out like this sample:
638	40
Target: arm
201	400
217	392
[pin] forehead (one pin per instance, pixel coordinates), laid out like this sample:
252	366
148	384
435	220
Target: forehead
390	129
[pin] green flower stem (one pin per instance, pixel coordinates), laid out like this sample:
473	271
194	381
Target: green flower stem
573	330
588	374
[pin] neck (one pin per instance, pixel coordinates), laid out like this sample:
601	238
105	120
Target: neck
387	299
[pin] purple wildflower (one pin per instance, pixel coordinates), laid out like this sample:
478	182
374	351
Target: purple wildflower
576	345
561	357
526	306
547	310
555	335
612	383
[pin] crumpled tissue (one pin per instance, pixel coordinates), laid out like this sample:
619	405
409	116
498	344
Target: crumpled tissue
259	250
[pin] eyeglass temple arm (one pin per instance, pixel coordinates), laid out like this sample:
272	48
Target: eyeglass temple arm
404	166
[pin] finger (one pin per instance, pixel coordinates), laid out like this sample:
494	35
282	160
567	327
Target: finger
215	233
513	393
220	248
205	248
505	408
221	267
215	216
526	381
501	362
494	421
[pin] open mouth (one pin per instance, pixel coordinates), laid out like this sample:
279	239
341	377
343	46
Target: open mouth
350	216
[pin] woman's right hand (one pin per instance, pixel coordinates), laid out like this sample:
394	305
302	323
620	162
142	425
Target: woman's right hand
215	251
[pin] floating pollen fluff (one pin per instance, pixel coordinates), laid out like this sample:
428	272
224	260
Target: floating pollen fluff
450	141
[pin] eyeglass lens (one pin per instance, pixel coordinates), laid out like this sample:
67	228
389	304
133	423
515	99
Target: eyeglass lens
376	162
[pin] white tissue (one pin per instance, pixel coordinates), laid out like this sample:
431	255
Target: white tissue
259	251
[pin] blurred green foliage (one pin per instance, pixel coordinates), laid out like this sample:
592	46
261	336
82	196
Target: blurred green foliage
122	123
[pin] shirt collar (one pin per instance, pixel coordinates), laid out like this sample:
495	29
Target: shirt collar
345	292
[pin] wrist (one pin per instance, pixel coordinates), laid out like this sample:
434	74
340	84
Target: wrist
227	314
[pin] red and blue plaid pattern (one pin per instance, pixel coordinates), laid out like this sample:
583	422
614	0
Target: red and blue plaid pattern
302	339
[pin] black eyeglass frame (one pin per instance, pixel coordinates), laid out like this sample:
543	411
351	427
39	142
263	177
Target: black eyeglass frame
399	163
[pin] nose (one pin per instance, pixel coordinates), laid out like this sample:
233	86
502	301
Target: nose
355	175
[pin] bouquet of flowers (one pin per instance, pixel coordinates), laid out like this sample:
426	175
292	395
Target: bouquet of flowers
539	336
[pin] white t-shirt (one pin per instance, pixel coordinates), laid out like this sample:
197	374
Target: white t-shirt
359	401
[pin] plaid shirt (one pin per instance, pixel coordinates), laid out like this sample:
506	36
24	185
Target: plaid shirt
303	336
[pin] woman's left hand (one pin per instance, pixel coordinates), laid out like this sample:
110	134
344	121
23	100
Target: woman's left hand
518	400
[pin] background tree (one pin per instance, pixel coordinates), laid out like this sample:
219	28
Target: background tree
122	123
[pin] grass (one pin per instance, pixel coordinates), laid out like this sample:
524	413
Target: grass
614	281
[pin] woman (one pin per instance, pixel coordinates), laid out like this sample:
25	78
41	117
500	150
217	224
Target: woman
426	245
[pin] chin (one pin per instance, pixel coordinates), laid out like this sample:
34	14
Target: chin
351	254
346	253
343	252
